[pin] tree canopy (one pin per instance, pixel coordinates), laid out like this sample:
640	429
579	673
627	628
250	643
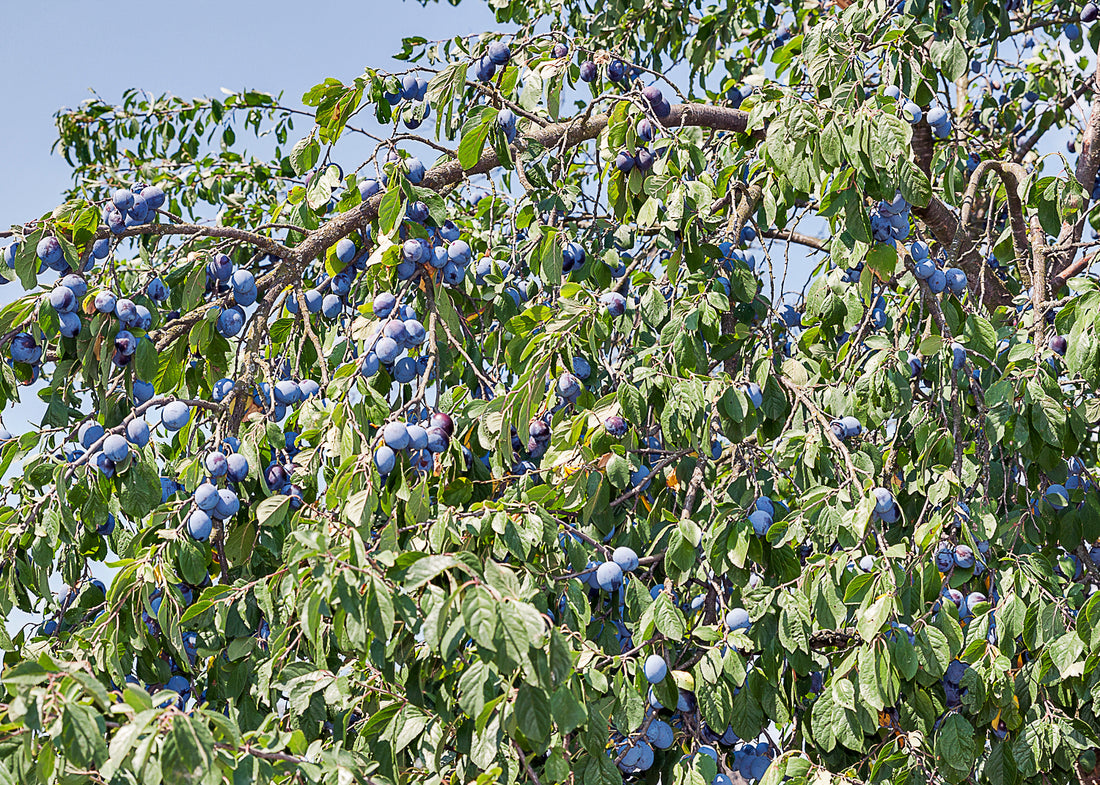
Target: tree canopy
671	392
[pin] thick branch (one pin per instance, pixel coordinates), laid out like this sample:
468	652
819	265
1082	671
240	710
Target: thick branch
566	134
259	241
1011	176
922	147
1089	160
950	233
1038	280
740	215
1087	166
1058	281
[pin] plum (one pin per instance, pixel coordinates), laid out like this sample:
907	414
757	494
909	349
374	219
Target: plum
499	53
738	619
655	668
199	525
175	415
137	431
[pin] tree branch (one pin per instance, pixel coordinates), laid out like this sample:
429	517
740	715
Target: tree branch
1011	176
567	134
950	233
1072	269
265	244
791	236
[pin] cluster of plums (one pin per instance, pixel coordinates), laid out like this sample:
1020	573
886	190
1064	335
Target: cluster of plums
1057	494
414	90
642	160
69	299
496	56
951	279
131	207
763	515
910	111
111	451
398	329
211	502
449	255
222	275
961	557
940	121
420	442
890	220
608	575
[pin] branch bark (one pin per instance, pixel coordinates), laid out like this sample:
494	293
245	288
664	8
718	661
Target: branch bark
1011	176
740	215
265	244
1088	164
566	134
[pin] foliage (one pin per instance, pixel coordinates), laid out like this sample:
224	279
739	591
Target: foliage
598	494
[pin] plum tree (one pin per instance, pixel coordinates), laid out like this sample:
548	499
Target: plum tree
704	394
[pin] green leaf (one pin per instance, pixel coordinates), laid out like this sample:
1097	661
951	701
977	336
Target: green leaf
83	735
533	714
949	55
955	747
473	138
188	753
891	138
272	511
618	471
192	561
795	623
391	211
868	678
871	620
407	725
980	335
427	568
480	614
381	616
1000	765
654	307
146	360
568	712
933	650
549	257
1065	653
321	186
1048	417
516	631
26	260
716	703
444	87
915	186
304	155
123	741
668	618
141	491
